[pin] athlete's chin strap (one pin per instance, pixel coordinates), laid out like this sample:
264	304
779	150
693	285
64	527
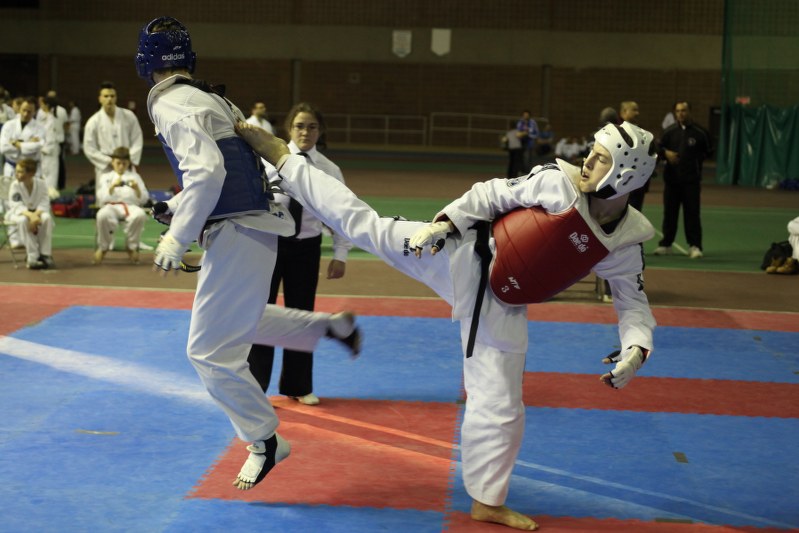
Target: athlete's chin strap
483	251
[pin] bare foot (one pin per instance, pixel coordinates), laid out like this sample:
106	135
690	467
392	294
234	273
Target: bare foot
264	455
502	515
264	143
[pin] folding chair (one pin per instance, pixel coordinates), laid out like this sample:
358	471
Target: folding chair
5	185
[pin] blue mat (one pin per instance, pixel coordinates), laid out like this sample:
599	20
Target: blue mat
118	440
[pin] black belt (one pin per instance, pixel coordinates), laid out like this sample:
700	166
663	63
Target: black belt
483	251
294	240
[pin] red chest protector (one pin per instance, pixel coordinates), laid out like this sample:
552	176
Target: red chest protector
539	254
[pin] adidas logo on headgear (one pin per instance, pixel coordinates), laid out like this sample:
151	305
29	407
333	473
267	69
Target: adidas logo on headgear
172	57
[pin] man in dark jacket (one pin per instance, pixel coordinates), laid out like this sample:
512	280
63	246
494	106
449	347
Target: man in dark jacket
685	145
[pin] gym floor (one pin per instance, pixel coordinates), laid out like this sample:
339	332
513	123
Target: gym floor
106	427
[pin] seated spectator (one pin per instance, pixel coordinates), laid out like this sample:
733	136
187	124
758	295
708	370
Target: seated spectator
121	193
789	265
571	149
29	209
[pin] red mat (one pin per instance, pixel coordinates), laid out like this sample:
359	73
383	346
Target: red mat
462	523
348	452
418	307
663	395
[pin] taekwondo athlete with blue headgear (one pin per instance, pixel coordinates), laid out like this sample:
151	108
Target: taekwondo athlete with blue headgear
502	245
224	205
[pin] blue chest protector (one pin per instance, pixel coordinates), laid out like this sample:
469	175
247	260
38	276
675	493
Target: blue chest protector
245	189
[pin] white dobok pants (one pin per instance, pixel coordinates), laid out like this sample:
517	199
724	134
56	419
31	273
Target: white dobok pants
109	216
230	313
39	243
493	422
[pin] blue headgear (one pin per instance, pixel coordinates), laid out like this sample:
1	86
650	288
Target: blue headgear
164	49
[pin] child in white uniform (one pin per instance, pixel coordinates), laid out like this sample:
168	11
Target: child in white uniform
29	208
121	192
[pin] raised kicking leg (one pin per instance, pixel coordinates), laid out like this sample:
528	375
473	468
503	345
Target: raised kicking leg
339	208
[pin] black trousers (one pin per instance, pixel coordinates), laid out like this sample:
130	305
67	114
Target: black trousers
62	166
297	266
687	195
636	198
515	163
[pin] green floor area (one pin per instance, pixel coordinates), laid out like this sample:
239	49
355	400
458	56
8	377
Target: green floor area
735	239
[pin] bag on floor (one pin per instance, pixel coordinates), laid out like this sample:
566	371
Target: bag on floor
65	206
779	250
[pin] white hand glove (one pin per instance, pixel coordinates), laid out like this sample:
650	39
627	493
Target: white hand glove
168	254
627	364
433	234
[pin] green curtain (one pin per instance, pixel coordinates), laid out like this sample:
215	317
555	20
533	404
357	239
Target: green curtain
759	141
759	146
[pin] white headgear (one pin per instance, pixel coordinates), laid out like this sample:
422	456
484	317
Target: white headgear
634	157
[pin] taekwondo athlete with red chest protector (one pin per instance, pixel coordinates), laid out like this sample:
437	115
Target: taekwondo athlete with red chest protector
545	231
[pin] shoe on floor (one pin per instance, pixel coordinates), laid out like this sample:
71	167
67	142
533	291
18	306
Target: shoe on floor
98	256
343	329
36	265
47	260
264	455
695	253
308	399
662	250
789	267
775	264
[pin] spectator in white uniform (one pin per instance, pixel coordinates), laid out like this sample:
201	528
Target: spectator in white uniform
108	129
6	113
29	210
121	192
61	132
22	137
73	139
788	265
571	149
258	117
51	150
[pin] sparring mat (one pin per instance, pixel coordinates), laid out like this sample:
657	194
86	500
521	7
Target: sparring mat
106	427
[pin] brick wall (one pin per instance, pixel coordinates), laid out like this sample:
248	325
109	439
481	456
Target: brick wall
676	16
416	85
577	96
